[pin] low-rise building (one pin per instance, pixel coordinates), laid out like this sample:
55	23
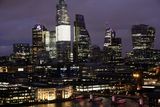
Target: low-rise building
16	94
50	94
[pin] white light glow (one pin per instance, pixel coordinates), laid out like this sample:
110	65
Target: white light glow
63	33
148	86
39	27
47	40
20	69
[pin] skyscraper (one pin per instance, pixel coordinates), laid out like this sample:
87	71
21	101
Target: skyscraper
112	46
109	35
40	40
63	32
144	56
81	40
143	36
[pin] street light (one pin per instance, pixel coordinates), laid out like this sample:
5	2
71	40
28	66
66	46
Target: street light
136	75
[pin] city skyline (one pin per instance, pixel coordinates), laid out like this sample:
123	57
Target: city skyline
18	22
74	55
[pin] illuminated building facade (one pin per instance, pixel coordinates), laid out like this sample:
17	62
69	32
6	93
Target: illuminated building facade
16	68
81	51
112	46
52	51
109	35
21	51
144	57
143	45
143	36
16	94
43	94
3	69
40	41
51	94
63	32
100	77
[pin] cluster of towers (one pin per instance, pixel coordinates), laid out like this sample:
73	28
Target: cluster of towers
58	46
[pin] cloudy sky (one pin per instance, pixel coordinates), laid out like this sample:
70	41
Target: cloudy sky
17	17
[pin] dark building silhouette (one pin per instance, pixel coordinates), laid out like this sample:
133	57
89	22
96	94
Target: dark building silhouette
143	36
96	54
82	42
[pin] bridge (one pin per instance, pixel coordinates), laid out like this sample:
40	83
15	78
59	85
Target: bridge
137	99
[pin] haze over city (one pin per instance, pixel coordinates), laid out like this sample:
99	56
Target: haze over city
18	17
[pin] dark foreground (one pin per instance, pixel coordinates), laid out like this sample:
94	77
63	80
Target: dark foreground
85	103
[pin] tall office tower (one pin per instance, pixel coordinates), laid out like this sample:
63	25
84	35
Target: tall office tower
81	40
40	41
52	45
63	32
143	37
144	56
21	52
143	45
112	46
109	35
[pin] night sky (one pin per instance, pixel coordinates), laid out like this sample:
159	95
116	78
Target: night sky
17	17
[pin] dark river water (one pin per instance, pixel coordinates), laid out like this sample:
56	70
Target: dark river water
85	103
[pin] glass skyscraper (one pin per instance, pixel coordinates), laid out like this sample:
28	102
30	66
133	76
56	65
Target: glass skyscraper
143	36
63	32
40	41
112	46
82	41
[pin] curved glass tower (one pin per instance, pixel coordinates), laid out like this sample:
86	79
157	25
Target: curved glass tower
81	40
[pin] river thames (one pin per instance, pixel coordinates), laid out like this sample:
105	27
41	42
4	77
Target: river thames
85	103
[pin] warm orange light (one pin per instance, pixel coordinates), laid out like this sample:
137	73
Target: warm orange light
136	75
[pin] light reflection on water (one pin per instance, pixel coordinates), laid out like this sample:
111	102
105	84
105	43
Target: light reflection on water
85	103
